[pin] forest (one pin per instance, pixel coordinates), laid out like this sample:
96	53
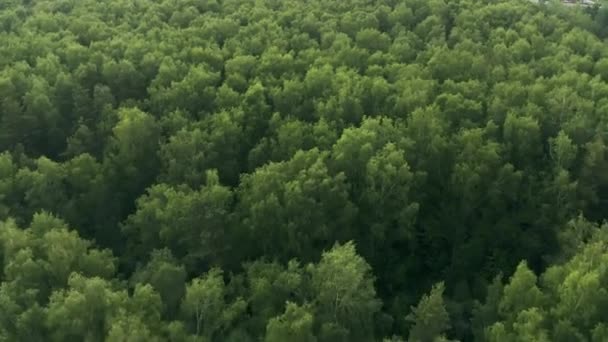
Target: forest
303	171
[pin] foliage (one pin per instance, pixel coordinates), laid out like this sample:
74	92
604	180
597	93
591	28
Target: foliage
287	170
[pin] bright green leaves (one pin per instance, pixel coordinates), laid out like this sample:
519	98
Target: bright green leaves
55	250
270	286
388	183
521	307
521	293
93	309
130	328
430	318
296	324
134	132
194	225
448	139
345	293
84	309
38	262
239	70
195	93
43	188
130	165
528	326
295	205
563	187
566	304
334	299
205	305
190	152
563	151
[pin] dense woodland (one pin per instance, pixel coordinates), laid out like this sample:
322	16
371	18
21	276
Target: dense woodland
303	170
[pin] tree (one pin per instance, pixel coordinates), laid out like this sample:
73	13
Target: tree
386	204
57	251
194	93
372	39
290	203
430	318
145	145
295	324
130	329
130	165
84	310
8	191
205	305
190	152
485	314
166	276
194	225
565	305
269	285
344	291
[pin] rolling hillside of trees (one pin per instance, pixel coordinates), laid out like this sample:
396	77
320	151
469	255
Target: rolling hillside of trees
303	171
